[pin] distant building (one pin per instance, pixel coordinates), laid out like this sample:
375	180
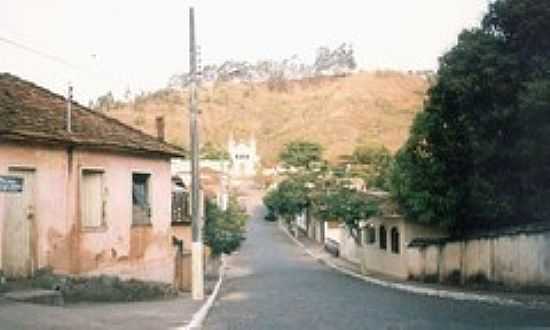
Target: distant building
244	158
95	200
181	165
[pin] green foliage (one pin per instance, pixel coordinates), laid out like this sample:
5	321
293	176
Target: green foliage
346	205
373	164
270	216
212	152
224	230
290	198
301	154
477	156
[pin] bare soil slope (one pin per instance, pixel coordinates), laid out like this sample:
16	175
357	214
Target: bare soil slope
338	112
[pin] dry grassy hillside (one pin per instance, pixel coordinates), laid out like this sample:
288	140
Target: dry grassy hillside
339	113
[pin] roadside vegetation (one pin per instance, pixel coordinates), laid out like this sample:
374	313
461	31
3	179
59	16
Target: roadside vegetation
312	185
102	288
477	156
224	230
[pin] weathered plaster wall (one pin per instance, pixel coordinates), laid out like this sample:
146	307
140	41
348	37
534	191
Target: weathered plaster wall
50	199
349	247
450	262
378	260
140	251
145	252
375	259
518	260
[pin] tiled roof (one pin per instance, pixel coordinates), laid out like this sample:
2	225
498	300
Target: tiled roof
34	114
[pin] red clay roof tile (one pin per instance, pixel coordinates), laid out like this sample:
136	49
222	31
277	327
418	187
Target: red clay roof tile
31	113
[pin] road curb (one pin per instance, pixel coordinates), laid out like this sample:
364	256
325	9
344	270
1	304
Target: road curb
462	296
202	313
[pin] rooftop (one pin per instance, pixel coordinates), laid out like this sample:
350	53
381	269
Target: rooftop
31	113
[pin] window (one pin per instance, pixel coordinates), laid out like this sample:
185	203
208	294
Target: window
382	237
394	240
180	206
141	199
92	201
370	234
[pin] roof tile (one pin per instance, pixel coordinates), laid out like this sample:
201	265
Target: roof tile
31	113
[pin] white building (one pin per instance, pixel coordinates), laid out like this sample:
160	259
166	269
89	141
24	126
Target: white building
244	158
181	165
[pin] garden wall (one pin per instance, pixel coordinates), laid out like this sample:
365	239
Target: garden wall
517	258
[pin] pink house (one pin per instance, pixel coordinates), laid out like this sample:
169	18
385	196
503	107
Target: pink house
96	200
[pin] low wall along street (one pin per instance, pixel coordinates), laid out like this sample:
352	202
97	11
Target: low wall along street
516	258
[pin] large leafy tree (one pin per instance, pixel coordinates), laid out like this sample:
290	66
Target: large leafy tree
289	199
373	164
477	156
348	206
301	154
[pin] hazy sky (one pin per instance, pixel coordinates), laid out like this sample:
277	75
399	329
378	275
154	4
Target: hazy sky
111	45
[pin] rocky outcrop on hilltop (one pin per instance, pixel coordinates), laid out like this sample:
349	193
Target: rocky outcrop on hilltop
339	61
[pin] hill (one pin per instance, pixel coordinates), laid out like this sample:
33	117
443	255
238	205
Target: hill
338	112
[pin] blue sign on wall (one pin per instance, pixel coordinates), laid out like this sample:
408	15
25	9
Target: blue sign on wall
12	184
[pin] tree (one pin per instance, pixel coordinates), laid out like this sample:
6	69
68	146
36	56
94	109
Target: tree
289	199
211	151
373	164
475	158
301	154
224	230
105	102
347	205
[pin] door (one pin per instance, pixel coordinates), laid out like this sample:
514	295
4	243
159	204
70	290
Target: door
18	223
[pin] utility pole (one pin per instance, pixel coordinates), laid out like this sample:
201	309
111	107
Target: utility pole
197	255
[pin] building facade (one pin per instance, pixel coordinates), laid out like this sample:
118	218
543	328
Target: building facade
96	198
244	158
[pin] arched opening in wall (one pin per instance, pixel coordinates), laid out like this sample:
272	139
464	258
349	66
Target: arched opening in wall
382	237
369	234
394	240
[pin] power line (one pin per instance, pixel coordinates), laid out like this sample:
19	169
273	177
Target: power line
57	59
54	58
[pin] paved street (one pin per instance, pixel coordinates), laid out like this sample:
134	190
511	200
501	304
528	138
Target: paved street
273	284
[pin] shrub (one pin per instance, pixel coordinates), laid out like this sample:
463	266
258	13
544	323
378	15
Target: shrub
224	230
271	217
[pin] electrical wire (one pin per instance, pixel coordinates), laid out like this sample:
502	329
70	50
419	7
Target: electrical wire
57	59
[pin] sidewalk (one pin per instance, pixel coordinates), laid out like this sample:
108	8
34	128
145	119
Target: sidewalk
162	314
175	313
317	251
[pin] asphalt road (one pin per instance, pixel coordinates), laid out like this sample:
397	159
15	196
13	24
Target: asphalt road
272	284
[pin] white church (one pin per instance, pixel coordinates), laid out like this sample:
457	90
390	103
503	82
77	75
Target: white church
244	158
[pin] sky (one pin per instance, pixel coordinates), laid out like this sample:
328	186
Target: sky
105	45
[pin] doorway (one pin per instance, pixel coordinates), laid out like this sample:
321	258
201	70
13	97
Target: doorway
17	251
